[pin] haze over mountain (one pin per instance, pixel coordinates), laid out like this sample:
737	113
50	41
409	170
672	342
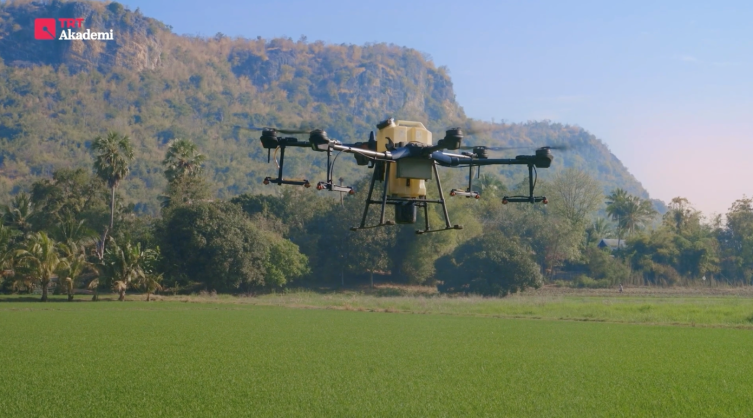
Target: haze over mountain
155	86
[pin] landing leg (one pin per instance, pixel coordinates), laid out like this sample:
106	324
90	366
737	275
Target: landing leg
368	200
448	225
384	192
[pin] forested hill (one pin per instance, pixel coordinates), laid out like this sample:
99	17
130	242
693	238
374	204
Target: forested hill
155	86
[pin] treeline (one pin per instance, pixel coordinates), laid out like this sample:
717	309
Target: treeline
74	231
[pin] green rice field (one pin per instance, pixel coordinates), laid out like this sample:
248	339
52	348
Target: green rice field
272	358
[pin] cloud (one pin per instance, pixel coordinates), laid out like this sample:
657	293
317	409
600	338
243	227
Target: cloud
687	58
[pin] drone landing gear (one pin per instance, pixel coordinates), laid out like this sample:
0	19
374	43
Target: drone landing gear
404	205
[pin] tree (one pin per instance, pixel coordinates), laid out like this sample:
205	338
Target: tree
72	202
7	242
574	195
182	160
630	212
19	212
602	265
679	214
126	265
41	260
112	159
736	241
150	283
599	229
183	169
492	264
216	246
284	263
490	185
77	264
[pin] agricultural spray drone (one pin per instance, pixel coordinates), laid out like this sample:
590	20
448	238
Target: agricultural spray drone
403	157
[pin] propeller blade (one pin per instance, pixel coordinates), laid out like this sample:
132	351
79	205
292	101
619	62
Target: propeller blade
469	131
561	147
490	148
282	131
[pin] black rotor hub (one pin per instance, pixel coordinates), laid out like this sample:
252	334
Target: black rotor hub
269	138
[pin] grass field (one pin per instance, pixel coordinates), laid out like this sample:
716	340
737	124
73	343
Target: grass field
243	359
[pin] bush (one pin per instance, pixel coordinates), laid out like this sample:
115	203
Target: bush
602	265
491	265
584	281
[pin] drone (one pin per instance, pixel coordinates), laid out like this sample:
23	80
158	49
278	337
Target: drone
403	157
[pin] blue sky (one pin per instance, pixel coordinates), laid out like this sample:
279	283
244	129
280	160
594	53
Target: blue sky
667	85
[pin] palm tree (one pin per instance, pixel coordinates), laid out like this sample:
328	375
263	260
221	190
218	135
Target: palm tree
113	154
75	254
183	172
41	260
598	230
182	160
19	212
71	230
94	287
125	266
7	237
630	212
150	283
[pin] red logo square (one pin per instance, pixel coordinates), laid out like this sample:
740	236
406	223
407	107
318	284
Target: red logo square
44	29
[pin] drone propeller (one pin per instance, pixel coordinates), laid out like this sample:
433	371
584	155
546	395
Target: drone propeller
476	131
282	131
561	147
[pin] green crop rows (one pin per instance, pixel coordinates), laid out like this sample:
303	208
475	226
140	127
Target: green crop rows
179	359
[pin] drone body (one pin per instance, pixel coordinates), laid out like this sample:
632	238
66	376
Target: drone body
403	157
408	179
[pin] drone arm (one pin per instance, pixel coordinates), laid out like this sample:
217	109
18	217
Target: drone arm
496	161
447	159
368	153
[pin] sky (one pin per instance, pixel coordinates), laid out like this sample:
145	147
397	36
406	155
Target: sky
667	85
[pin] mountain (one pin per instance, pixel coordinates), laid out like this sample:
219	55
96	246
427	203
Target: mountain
156	86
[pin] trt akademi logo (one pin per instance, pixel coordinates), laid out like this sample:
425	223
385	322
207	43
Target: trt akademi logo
45	29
